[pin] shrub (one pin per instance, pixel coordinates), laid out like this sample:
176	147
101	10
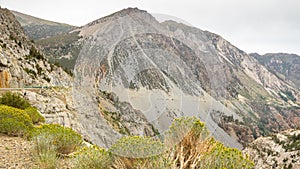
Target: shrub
14	121
223	157
35	116
191	146
139	152
13	127
14	100
93	158
35	54
44	151
64	139
137	147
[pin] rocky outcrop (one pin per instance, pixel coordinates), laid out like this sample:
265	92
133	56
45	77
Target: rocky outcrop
280	150
24	69
21	63
284	66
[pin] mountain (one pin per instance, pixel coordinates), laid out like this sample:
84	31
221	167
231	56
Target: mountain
22	64
284	66
134	75
25	70
55	40
169	69
37	28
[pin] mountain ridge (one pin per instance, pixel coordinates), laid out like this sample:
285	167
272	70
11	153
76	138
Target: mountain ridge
237	82
37	28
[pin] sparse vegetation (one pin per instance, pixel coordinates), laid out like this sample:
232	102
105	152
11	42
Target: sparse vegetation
93	158
44	152
30	72
14	100
114	119
187	144
65	139
293	144
34	53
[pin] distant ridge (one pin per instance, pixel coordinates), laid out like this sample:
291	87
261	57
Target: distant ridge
37	28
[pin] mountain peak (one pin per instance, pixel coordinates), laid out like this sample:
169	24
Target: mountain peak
124	12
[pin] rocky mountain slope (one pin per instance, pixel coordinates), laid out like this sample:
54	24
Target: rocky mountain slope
128	64
21	62
284	66
37	28
55	40
280	150
168	70
24	69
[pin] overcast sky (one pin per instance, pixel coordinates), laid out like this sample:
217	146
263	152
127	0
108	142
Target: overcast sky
252	25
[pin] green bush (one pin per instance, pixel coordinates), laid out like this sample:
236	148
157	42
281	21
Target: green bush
93	158
35	116
14	100
223	157
139	152
34	53
64	139
14	121
137	147
44	151
12	127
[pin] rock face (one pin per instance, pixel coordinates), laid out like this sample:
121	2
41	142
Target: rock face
135	57
284	66
23	66
167	70
21	63
280	150
24	70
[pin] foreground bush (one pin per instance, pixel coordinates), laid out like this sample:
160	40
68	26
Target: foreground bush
93	158
64	139
224	157
139	153
187	145
44	152
14	121
137	147
34	115
195	148
12	127
14	100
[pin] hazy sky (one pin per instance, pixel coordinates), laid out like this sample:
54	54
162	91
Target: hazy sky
252	25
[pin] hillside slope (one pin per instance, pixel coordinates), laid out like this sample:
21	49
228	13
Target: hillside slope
281	150
284	66
168	70
25	70
37	28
